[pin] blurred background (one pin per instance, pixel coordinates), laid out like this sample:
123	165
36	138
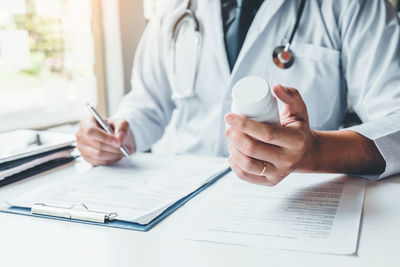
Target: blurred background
56	55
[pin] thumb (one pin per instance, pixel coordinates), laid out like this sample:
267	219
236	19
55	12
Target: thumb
121	128
294	104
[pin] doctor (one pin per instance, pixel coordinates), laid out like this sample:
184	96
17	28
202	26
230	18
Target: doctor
317	53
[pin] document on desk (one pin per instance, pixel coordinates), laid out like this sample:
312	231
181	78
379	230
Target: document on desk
136	191
305	212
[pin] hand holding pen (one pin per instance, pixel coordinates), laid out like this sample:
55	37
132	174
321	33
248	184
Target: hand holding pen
104	142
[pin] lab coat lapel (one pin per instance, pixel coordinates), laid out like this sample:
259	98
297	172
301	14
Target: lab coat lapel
213	23
260	22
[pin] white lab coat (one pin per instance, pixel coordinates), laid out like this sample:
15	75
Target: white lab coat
342	48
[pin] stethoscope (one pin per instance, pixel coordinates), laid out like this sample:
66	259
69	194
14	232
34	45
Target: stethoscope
282	56
188	14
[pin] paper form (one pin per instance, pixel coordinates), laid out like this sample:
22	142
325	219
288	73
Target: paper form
137	191
33	163
307	212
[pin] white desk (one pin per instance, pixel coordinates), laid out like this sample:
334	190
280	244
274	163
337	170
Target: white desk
29	241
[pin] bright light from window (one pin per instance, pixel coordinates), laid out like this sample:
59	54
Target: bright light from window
46	62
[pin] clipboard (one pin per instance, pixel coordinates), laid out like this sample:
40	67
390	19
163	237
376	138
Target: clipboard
41	210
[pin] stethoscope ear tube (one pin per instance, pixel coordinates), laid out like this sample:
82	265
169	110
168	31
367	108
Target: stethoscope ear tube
178	93
187	13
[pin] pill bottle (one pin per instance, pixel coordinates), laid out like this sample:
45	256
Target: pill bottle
252	98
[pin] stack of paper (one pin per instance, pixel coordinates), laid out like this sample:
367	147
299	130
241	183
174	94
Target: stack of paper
306	212
25	152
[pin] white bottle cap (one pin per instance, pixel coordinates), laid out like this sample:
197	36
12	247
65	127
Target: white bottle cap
251	95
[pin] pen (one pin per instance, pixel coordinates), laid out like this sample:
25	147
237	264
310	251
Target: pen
107	128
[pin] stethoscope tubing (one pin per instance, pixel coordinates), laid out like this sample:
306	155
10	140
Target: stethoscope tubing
282	56
296	25
189	12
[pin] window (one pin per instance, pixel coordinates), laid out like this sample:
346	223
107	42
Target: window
47	58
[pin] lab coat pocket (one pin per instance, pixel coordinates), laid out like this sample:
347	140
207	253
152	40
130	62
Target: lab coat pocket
316	74
316	53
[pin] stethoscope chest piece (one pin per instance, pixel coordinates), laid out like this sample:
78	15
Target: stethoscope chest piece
283	57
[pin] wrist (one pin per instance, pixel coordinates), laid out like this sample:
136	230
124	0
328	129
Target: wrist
313	155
